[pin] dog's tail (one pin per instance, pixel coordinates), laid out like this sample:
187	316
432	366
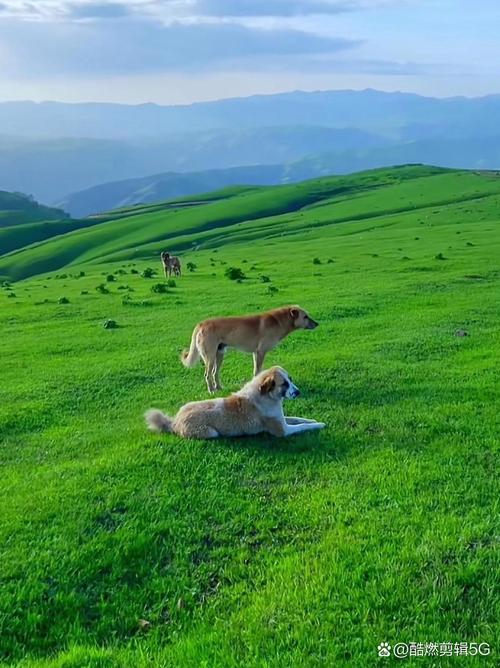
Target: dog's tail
158	421
190	357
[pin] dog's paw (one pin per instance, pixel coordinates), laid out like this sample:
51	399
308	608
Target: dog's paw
320	425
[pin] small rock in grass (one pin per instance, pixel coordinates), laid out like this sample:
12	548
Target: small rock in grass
63	300
144	625
110	324
461	332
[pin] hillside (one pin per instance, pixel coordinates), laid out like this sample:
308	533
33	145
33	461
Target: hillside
211	223
18	209
120	548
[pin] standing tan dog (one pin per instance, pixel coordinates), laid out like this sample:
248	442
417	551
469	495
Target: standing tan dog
256	334
170	263
256	408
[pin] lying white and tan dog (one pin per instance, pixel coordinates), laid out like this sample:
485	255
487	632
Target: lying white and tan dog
256	408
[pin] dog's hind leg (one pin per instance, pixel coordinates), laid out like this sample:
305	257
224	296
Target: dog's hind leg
219	359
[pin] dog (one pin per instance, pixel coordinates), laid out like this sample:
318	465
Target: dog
256	408
171	264
256	334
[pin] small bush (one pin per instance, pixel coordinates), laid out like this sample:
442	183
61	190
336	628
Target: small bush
234	274
63	300
159	288
110	278
148	273
110	324
265	279
272	290
84	292
316	260
191	266
330	261
11	294
134	271
171	283
440	256
102	289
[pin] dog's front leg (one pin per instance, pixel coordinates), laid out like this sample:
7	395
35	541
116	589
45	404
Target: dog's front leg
291	429
258	361
299	420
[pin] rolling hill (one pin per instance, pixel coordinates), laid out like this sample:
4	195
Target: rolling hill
19	209
120	548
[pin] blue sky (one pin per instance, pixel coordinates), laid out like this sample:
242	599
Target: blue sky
176	51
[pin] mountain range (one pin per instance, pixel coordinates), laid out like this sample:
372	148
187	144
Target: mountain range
92	157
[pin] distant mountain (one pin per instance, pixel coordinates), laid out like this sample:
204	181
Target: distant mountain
51	168
369	110
160	187
477	153
18	209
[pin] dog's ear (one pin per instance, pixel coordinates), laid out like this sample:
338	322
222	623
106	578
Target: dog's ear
267	385
294	313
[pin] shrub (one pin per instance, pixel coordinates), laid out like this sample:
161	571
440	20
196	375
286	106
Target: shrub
102	289
110	324
148	273
316	260
110	278
191	266
171	283
134	271
84	292
272	290
265	279
159	288
234	274
11	294
440	256
81	274
330	261
63	300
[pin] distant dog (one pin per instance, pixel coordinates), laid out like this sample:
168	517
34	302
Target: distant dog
256	334
171	264
256	408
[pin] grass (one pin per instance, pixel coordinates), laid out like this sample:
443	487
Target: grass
119	548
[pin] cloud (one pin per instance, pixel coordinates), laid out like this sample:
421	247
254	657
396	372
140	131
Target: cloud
171	10
135	47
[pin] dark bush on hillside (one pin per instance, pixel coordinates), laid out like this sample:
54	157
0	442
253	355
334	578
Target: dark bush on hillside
330	261
134	271
11	294
234	274
440	256
171	283
110	278
272	290
191	266
148	273
61	276
110	324
63	300
265	279
316	260
6	285
102	289
120	271
84	292
159	288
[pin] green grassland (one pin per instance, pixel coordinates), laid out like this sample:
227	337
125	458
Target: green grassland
122	548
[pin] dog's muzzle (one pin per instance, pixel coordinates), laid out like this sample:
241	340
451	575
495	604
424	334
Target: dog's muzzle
293	392
312	324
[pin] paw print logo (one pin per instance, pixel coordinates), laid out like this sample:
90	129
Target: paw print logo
384	649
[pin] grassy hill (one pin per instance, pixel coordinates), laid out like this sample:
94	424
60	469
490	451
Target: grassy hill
119	548
18	209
